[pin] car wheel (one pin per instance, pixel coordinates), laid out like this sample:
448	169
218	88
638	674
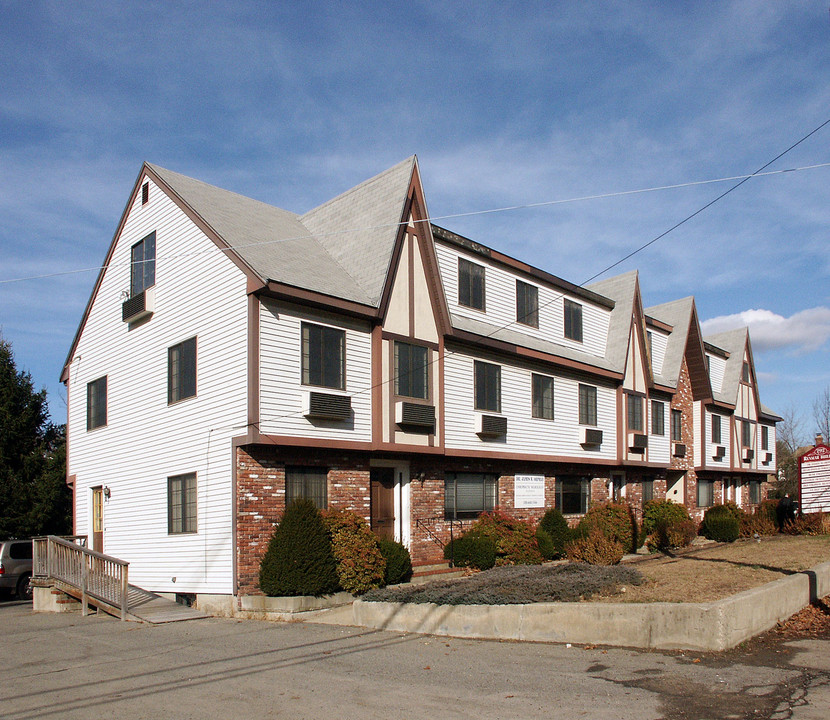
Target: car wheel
24	588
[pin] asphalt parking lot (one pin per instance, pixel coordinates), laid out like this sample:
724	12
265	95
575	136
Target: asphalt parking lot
66	666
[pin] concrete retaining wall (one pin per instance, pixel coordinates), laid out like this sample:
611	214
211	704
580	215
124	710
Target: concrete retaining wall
691	626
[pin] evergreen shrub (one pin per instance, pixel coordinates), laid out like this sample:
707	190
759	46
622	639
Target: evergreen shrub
299	559
474	551
720	523
758	522
546	546
667	525
554	524
360	564
615	521
398	562
595	549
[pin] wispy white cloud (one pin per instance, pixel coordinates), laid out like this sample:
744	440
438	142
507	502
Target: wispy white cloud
803	332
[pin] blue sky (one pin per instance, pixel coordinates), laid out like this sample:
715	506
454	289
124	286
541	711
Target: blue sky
504	104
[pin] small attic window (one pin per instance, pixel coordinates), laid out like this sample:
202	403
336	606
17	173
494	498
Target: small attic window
145	193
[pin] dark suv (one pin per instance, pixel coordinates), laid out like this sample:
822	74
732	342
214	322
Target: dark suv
16	567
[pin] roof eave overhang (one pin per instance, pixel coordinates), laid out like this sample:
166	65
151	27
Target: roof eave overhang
283	291
467	338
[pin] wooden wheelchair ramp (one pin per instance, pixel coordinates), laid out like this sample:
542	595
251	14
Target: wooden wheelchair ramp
100	581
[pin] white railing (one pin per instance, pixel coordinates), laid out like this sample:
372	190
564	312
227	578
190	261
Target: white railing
93	574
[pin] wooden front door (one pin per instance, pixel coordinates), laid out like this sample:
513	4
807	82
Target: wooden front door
383	502
98	519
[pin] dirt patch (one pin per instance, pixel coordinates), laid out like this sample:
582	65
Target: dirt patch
704	573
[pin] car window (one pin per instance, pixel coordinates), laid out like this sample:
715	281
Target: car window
20	551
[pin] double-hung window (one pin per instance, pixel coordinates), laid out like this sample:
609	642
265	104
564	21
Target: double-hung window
573	495
527	304
470	284
306	483
764	437
96	403
746	433
658	418
716	429
573	320
542	392
487	386
181	371
324	356
705	493
143	264
587	405
676	426
181	504
754	492
468	494
411	370
635	413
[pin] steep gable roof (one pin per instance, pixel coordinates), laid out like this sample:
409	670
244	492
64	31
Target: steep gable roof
341	248
358	229
735	343
622	289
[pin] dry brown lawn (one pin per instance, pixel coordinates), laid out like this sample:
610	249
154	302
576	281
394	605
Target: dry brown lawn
712	572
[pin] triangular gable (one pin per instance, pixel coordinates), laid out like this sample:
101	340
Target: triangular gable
413	285
695	356
638	376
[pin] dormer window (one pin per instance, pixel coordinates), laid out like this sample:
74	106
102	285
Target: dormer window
143	265
573	320
470	284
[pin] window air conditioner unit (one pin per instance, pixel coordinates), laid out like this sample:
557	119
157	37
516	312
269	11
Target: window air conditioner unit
326	405
415	415
139	306
591	436
768	458
491	425
748	455
637	442
720	452
678	450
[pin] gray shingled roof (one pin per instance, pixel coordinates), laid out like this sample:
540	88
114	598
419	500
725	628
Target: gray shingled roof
309	251
677	313
620	289
509	335
734	342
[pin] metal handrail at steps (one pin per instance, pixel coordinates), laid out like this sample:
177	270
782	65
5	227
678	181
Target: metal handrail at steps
91	574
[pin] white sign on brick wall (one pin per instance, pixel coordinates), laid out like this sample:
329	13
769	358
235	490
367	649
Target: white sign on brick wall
529	491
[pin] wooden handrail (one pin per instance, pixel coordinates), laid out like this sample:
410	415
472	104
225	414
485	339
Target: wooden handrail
94	574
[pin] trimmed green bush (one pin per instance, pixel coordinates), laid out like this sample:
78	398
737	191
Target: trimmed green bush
469	550
515	540
596	549
398	562
667	525
720	523
657	511
360	564
554	524
299	559
614	520
546	546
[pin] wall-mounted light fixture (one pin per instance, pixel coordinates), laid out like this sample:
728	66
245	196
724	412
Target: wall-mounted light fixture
107	492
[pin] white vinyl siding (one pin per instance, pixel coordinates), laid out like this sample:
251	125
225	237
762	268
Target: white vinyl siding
773	463
709	455
659	341
716	367
525	434
659	446
501	304
280	374
146	441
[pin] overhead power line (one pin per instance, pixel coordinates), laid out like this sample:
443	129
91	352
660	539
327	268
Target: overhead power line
490	211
